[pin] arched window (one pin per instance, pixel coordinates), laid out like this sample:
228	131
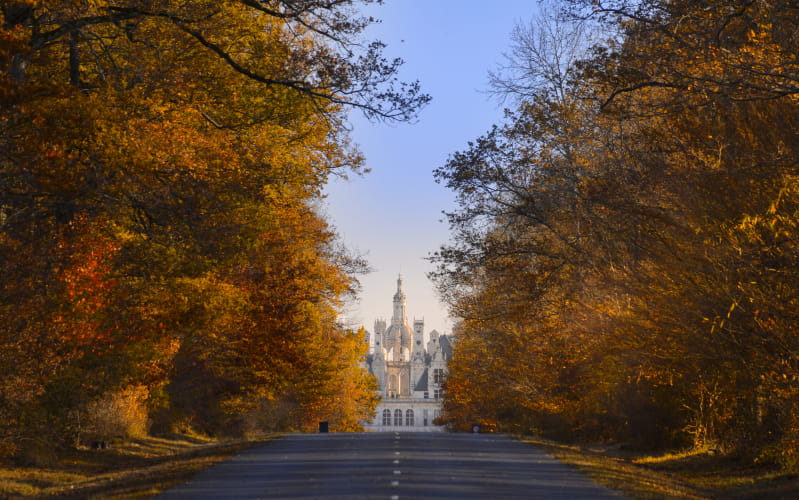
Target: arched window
409	418
397	417
386	417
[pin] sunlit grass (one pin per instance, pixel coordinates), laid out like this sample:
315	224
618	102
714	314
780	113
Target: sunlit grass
668	457
25	481
690	474
620	474
130	469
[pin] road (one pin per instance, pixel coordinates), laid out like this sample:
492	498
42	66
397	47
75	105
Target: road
391	466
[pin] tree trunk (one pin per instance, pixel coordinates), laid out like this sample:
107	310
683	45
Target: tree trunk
18	15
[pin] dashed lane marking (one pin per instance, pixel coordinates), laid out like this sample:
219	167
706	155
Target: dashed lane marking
395	484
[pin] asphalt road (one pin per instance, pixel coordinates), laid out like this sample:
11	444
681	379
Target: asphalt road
391	466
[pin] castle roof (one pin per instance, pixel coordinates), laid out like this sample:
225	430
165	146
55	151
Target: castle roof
401	331
421	385
446	345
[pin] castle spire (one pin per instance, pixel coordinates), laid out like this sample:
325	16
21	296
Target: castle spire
399	317
399	293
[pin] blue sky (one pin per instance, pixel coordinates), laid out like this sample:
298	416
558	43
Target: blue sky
393	215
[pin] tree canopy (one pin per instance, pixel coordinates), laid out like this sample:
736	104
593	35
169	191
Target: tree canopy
625	241
160	167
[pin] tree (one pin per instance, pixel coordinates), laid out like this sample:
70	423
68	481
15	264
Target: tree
160	162
633	204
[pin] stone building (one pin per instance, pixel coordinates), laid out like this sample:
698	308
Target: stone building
410	371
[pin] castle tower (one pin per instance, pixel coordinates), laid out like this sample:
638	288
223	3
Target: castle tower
418	337
418	368
399	335
379	368
380	333
399	317
438	364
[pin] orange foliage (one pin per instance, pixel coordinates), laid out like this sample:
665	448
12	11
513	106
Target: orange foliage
626	241
159	167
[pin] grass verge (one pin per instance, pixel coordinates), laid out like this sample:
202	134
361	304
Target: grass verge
131	469
692	475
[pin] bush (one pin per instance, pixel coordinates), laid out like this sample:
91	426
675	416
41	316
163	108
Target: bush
122	413
786	452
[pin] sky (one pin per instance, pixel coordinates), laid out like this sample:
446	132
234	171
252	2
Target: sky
393	215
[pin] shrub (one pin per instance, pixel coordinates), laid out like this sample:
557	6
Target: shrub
122	413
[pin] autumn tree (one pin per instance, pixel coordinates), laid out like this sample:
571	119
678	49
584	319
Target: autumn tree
160	162
640	199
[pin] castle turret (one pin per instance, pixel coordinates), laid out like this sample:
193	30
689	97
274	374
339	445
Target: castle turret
379	368
399	335
418	337
400	314
380	333
418	368
438	364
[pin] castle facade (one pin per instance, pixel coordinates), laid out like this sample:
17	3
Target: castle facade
410	371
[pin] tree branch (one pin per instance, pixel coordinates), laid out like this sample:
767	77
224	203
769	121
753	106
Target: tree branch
633	88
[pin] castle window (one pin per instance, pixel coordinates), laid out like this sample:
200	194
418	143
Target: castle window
427	395
386	417
397	417
438	376
409	418
437	393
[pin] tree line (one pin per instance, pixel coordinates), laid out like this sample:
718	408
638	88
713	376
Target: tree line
165	263
624	248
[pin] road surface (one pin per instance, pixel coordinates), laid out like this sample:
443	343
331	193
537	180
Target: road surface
391	466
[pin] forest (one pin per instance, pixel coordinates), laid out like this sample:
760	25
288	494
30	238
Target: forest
624	260
165	264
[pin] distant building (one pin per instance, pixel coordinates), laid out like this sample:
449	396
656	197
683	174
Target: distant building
410	372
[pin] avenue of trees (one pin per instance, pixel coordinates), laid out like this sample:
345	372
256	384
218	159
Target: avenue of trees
164	264
625	252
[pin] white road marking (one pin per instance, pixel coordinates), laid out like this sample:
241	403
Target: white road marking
395	484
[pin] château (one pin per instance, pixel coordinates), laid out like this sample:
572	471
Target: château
410	371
